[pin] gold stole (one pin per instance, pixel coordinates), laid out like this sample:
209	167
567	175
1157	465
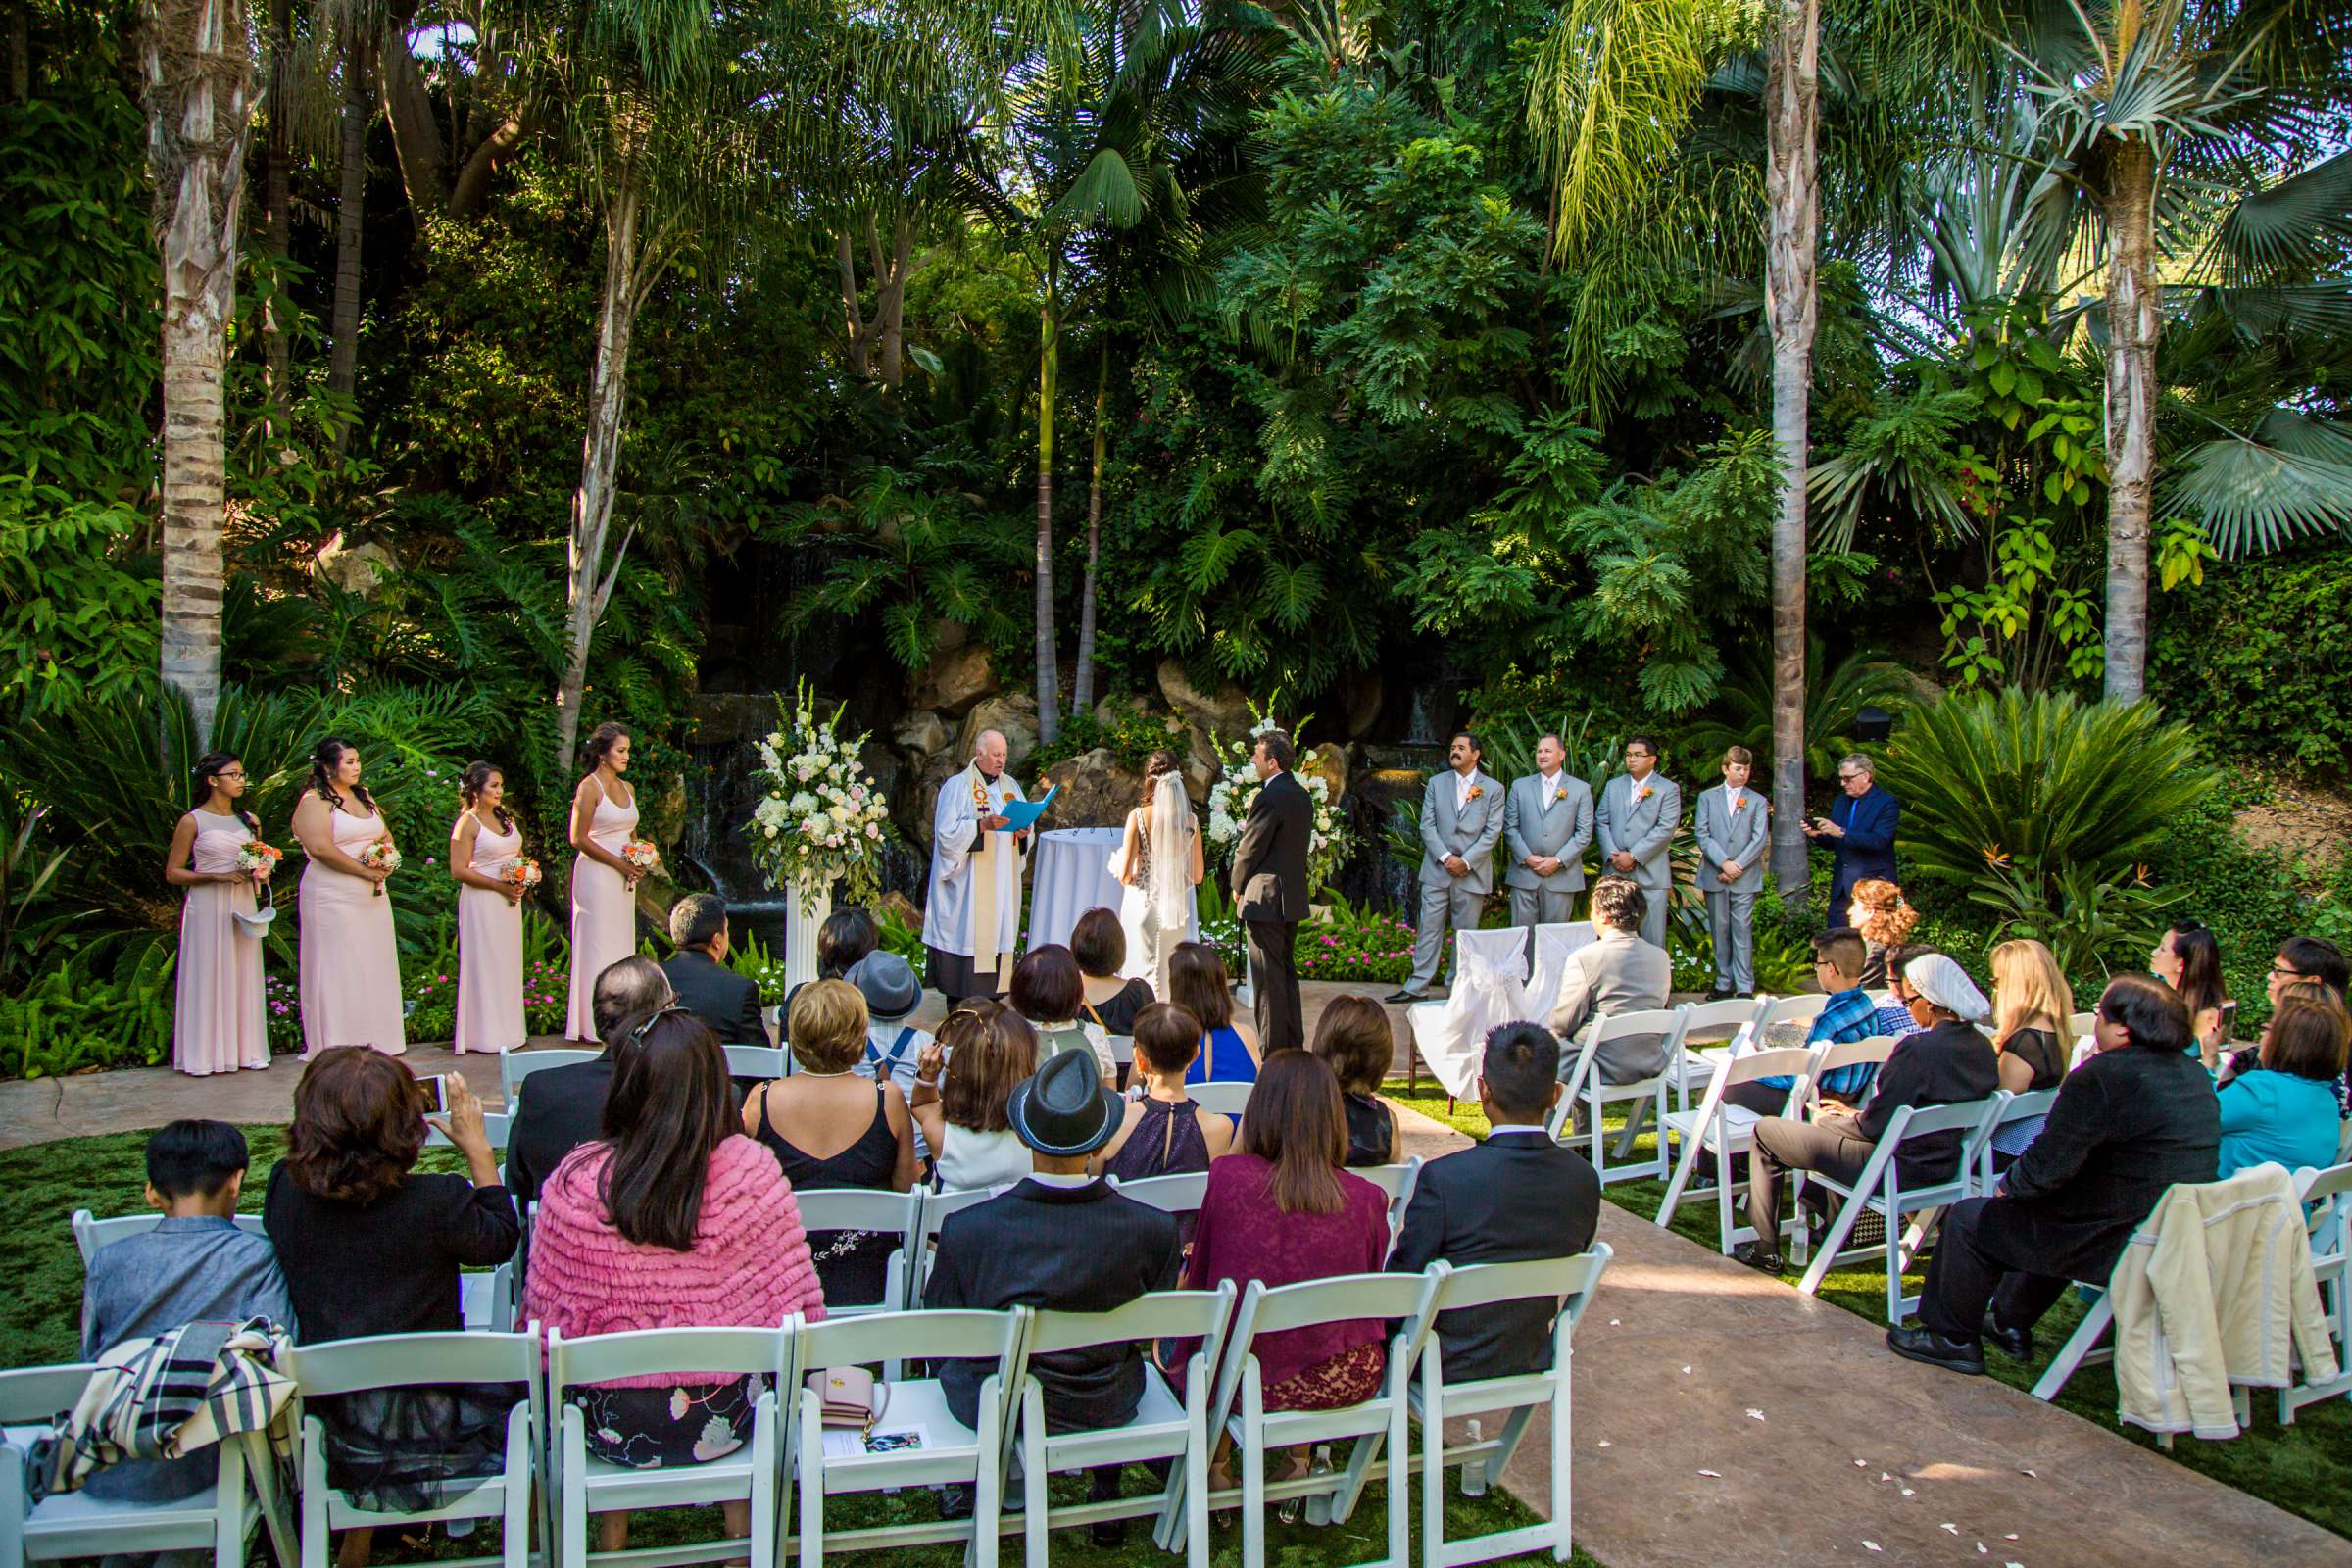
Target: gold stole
992	855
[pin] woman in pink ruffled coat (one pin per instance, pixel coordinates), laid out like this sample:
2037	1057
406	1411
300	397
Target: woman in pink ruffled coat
674	1219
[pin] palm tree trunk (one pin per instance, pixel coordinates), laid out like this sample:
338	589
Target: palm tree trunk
1791	184
1082	688
351	216
890	304
2134	296
197	65
278	215
1048	372
589	582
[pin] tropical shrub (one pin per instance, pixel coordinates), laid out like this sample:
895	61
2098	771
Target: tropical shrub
2089	924
2260	658
70	1020
1126	730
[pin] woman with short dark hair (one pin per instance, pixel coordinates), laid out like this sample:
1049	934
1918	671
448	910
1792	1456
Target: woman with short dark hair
1164	1134
1107	996
1354	1036
1049	991
2284	1110
1197	984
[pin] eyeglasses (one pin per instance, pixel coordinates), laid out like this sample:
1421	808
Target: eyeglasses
236	774
638	1034
1848	778
2283	972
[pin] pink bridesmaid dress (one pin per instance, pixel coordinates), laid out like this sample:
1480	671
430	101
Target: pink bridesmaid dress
603	913
350	982
217	1014
490	950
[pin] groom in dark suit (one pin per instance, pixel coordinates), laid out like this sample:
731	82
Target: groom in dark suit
1269	884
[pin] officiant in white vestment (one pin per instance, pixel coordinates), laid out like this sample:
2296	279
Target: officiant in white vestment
972	916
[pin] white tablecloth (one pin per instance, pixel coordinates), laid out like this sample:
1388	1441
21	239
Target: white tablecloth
1075	875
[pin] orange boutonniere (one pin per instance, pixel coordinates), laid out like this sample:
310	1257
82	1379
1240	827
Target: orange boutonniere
1644	793
1476	791
1739	805
1559	793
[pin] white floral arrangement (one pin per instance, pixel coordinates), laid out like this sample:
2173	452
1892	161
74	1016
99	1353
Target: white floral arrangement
1231	795
821	818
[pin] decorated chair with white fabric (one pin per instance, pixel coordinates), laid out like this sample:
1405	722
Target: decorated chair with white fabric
1548	969
1570	1282
514	1067
1724	1130
1489	988
1642	1096
1879	1189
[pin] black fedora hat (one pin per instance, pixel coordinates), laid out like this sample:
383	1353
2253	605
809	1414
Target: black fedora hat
1062	1109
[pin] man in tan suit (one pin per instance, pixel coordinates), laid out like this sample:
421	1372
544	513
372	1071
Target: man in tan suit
1618	973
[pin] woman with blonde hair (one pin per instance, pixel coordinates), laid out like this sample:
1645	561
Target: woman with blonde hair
1880	912
2032	1009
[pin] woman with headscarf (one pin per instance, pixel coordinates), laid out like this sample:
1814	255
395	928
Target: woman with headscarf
1159	864
1948	1063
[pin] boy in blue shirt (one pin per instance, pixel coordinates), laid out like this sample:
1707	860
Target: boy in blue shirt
1849	1014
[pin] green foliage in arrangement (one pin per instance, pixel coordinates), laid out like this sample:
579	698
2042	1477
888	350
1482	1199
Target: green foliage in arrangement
2259	658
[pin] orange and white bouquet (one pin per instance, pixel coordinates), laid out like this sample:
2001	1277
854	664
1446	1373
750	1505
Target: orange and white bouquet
381	856
522	875
641	854
258	859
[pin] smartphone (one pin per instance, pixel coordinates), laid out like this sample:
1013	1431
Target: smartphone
432	1096
2227	1020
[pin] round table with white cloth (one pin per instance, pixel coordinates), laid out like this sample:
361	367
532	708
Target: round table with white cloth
1075	868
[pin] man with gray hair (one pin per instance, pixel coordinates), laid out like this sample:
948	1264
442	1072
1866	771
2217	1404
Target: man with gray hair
727	1001
1860	830
972	913
564	1108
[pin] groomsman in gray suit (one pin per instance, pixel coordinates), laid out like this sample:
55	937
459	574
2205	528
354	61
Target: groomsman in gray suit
1548	821
1733	829
1461	819
1639	810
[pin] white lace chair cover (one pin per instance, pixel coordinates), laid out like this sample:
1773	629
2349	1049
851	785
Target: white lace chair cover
1452	1035
1553	944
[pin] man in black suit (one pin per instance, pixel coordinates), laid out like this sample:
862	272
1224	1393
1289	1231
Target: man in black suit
727	1001
564	1108
1515	1197
1062	1241
1269	884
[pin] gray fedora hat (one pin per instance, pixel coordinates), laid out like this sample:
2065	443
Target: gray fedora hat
1063	1109
887	984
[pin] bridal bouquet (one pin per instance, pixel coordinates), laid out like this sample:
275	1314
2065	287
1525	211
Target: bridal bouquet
381	856
1231	795
821	818
258	859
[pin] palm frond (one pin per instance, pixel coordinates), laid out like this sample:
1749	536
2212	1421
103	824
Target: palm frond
2253	498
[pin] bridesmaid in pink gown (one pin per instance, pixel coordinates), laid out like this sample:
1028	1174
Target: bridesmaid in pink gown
217	1014
483	845
350	980
604	886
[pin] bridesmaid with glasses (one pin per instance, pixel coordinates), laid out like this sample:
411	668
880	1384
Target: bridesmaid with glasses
216	1019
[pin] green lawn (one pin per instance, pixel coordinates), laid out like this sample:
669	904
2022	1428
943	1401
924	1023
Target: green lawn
40	1322
2305	1469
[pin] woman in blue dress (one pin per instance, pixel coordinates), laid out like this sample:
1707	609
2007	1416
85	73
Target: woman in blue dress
1196	983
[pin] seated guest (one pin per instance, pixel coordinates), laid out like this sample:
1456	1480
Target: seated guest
1515	1197
1946	1064
1847	1016
829	1129
963	1096
1283	1209
194	1266
1353	1039
847	935
562	1107
1228	1043
369	1247
1109	1000
2187	959
2308	958
1894	1018
2128	1123
893	1043
1878	911
1065	1241
672	1219
1047	990
2284	1110
1163	1132
2032	1008
727	1003
1618	973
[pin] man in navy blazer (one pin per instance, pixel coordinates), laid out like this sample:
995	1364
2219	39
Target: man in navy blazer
1860	830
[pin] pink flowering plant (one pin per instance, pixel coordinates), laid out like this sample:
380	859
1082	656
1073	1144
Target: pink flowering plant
1352	944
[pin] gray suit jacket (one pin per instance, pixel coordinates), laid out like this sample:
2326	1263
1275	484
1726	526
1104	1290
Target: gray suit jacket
1643	828
1470	834
1619	973
1726	835
1535	824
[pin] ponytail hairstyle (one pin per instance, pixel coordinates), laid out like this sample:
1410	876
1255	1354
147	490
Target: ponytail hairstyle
210	767
600	741
470	787
323	762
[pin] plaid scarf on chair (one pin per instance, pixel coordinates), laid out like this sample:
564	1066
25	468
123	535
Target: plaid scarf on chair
166	1397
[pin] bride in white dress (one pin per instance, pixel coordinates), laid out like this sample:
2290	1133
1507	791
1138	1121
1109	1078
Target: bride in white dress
1159	866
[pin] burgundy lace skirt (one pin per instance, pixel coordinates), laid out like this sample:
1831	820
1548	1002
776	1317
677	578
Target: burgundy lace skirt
1349	1378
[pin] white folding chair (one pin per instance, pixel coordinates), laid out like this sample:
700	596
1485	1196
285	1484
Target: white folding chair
74	1524
762	1062
951	1452
1228	1098
1161	1428
1586	1089
1831	1055
1181	1193
583	1485
937	1206
1723	1129
1879	1189
1238	1409
1570	1283
2327	1213
1399	1182
415	1360
1553	945
1733	1021
858	1209
2079	1024
514	1067
2033	1105
92	1233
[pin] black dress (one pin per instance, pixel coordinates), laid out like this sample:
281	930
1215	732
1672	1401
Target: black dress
1116	1013
850	1265
355	1270
1368	1128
